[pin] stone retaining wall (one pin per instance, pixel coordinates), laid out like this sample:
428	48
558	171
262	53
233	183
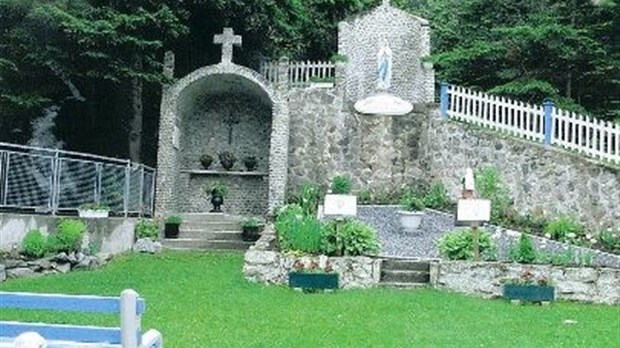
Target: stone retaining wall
588	284
265	265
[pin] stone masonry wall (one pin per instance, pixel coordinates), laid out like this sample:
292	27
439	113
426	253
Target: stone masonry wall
265	265
360	38
328	138
551	180
596	285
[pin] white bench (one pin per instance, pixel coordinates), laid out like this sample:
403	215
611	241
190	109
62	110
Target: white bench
128	335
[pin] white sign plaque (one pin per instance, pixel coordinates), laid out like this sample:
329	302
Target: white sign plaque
341	205
473	210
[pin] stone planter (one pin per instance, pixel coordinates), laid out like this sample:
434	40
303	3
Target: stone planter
217	201
251	233
171	231
93	214
410	220
529	293
313	280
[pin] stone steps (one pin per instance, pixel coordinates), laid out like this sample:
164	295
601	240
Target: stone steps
209	217
210	226
201	244
207	235
404	273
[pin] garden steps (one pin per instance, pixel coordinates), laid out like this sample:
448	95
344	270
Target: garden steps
204	244
209	231
404	273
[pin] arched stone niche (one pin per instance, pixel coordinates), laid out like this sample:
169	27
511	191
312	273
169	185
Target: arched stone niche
222	107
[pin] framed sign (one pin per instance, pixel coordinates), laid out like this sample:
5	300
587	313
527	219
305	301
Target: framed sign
341	205
473	210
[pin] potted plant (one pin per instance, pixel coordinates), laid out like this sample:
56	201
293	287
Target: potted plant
93	210
312	277
227	159
218	191
251	229
412	211
206	160
250	163
529	288
171	226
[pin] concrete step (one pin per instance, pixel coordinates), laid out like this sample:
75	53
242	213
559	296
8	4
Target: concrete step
201	244
395	285
213	217
211	226
405	277
405	265
208	235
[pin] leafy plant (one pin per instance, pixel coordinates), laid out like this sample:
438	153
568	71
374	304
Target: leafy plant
341	185
147	228
313	267
351	238
459	245
250	223
437	197
94	206
564	228
34	244
527	253
174	220
218	188
364	196
610	240
527	277
309	197
68	236
303	235
490	186
410	202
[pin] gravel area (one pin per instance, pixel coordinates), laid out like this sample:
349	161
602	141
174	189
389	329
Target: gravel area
423	244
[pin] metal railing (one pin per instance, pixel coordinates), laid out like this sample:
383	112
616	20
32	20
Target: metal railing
56	181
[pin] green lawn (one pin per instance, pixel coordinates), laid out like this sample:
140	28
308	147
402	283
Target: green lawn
201	300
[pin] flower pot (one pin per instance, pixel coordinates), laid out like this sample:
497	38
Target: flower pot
171	231
217	201
93	214
251	233
313	280
250	163
531	293
410	220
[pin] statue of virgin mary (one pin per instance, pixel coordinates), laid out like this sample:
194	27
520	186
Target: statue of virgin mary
384	67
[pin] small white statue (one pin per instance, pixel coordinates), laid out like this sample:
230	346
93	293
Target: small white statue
30	340
468	180
384	66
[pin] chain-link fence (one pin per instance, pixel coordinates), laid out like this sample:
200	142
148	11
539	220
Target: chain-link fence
56	181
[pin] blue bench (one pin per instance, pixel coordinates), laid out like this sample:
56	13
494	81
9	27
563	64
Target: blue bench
129	306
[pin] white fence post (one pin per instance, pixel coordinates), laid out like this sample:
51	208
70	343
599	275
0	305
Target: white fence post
130	320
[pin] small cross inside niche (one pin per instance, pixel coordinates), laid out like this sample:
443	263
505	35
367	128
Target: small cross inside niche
231	121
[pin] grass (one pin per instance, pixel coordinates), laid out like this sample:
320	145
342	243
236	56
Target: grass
201	300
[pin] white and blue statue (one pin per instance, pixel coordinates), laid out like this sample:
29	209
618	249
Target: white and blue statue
384	67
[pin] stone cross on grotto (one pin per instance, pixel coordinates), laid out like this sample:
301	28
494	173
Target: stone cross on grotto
227	40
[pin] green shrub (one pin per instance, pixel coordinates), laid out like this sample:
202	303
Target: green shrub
527	253
410	202
459	245
303	235
564	229
489	185
309	197
34	244
147	228
341	185
437	197
68	236
174	220
351	238
610	240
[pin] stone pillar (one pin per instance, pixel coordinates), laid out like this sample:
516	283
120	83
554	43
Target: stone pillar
278	154
341	80
427	68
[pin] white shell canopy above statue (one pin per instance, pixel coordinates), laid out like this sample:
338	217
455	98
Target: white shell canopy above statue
383	103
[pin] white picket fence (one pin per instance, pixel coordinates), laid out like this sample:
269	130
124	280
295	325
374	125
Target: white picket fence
300	74
584	134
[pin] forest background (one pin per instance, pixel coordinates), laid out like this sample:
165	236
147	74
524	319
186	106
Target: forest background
89	71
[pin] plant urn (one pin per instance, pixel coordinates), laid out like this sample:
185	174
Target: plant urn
251	233
206	161
250	163
217	200
410	220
